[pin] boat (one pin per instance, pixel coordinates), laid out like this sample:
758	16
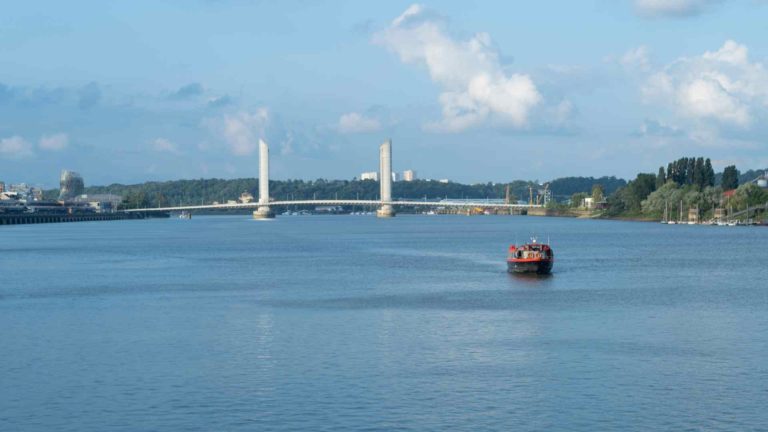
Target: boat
185	215
531	257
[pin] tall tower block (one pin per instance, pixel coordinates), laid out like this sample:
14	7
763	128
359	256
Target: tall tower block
385	179
264	211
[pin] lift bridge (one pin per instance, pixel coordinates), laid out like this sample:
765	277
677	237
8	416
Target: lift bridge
386	205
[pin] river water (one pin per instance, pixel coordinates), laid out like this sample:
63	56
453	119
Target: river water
329	323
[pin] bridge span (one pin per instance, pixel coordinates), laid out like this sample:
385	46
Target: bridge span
385	205
335	202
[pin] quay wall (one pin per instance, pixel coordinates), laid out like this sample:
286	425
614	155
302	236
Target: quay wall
34	218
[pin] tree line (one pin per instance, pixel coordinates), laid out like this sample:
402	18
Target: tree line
690	182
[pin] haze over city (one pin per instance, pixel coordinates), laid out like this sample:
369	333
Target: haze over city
489	93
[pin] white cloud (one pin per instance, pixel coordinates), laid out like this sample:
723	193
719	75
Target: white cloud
475	86
355	123
54	142
672	8
721	86
636	58
243	130
165	145
15	147
657	128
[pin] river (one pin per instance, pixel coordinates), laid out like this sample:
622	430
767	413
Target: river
328	323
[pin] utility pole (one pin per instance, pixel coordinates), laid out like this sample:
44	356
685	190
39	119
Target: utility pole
530	195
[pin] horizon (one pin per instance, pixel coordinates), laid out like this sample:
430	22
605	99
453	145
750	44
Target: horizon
475	95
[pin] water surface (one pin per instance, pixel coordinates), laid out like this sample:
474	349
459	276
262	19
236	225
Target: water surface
353	323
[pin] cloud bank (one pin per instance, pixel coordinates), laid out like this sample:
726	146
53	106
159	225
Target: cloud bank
243	130
187	91
164	145
54	142
721	86
356	123
672	8
475	86
15	147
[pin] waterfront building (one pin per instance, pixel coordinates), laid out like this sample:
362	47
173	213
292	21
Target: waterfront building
71	185
2	187
762	181
371	175
409	175
101	203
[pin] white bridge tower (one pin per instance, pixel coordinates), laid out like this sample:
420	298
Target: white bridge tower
264	211
385	179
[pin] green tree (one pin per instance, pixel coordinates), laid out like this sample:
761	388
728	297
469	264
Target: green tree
661	178
749	194
709	173
597	194
730	178
698	173
577	199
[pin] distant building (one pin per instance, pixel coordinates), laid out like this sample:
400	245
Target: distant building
394	176
71	185
246	197
762	181
590	204
21	188
25	192
2	187
10	195
444	181
372	175
409	175
102	203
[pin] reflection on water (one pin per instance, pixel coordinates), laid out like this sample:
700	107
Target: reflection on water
531	279
335	323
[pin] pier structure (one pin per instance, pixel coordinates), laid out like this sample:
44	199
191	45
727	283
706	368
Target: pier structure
385	180
264	211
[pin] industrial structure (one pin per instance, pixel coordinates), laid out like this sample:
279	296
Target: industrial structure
71	185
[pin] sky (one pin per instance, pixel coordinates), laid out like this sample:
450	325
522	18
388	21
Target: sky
126	92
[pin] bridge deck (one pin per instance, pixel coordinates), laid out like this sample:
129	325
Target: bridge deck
448	203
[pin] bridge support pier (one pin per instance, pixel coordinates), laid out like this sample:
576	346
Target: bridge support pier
264	211
385	180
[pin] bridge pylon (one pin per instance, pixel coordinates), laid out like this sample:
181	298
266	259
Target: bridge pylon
264	211
385	179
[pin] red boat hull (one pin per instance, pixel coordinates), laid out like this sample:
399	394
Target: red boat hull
538	266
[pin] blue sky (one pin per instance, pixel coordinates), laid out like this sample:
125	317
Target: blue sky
491	91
